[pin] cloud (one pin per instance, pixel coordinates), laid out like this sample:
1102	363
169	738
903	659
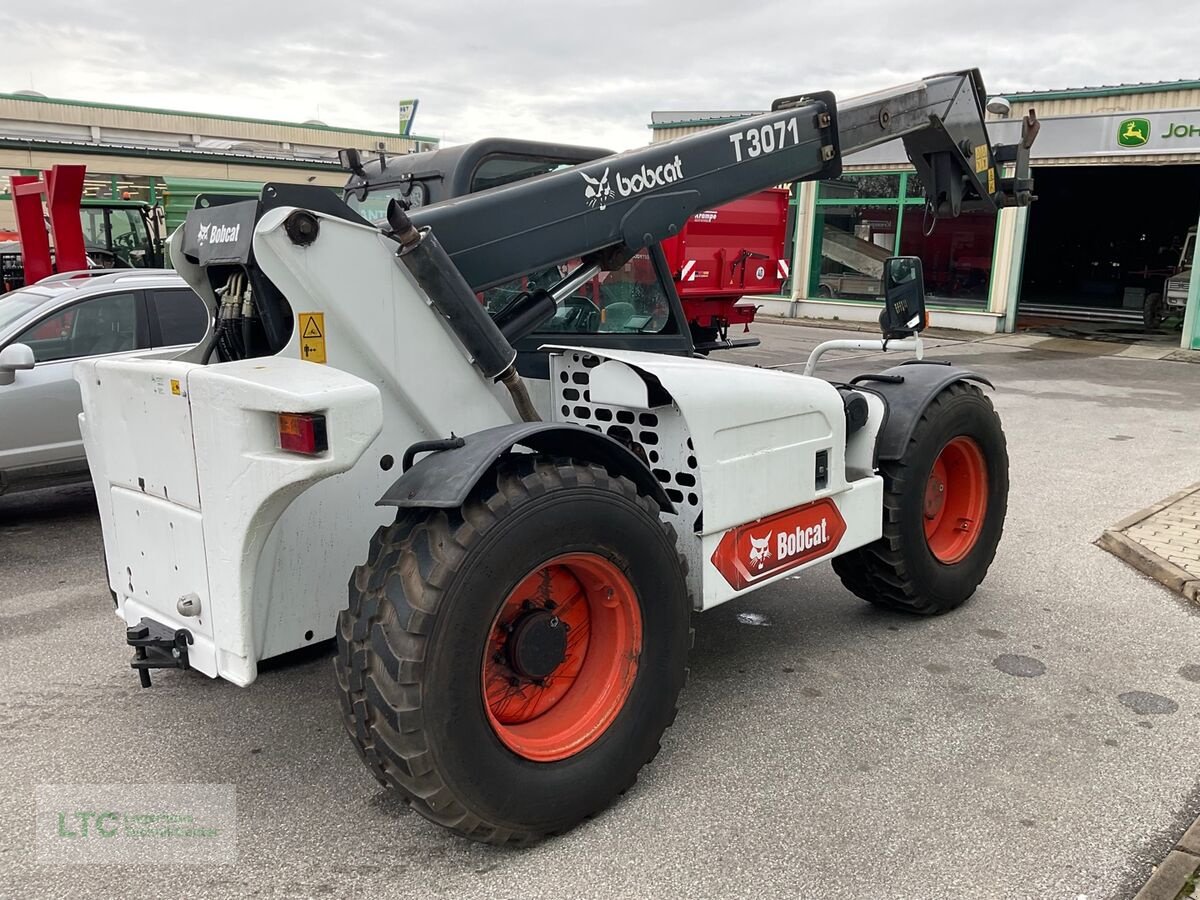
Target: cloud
565	71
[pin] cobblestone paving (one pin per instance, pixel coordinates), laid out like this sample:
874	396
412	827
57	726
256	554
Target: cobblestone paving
1173	533
1163	541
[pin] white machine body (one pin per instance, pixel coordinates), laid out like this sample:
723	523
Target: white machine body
210	527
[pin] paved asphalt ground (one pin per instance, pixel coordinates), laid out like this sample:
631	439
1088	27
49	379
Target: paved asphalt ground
836	751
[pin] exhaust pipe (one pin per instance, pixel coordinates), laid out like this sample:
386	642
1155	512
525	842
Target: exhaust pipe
452	297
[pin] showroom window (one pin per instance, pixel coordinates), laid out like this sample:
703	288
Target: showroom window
863	218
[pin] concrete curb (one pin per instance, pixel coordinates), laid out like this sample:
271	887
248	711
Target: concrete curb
1022	340
1170	876
949	334
1145	561
1166	573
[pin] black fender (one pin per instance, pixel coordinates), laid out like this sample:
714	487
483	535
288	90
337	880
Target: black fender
445	478
907	390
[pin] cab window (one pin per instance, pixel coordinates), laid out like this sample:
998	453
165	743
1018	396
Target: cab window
629	300
500	169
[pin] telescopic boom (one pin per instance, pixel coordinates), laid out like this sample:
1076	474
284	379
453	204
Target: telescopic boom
617	205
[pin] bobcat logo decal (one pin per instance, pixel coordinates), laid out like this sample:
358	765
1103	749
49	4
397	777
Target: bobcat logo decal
598	191
760	550
202	232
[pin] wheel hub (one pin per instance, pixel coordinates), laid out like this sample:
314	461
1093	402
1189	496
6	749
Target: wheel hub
935	496
955	502
562	656
537	645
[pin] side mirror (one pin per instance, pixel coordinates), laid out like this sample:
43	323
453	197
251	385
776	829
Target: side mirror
903	297
13	357
350	160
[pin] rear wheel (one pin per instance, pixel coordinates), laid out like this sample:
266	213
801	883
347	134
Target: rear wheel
943	510
510	665
1152	310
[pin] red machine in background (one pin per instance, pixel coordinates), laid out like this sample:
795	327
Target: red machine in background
724	254
61	187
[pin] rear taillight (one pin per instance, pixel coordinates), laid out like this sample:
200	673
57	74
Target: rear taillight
303	433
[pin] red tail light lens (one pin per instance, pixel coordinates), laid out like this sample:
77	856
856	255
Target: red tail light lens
303	433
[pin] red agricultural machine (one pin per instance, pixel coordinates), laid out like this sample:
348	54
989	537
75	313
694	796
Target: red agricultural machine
727	253
60	231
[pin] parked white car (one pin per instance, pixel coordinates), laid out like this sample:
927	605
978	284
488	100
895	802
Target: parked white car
47	327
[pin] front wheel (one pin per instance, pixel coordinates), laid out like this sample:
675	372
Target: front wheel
510	665
943	510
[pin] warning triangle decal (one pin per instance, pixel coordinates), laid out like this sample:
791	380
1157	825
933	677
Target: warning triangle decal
311	330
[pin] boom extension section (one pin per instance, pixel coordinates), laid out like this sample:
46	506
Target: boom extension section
622	203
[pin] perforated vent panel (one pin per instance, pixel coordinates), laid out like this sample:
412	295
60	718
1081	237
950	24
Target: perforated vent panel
659	437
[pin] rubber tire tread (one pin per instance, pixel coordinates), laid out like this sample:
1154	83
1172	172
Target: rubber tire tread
428	548
895	571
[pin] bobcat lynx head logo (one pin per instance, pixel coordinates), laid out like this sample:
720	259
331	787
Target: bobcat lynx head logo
760	550
598	191
202	232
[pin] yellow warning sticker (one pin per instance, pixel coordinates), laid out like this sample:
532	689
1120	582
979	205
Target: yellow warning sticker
312	336
991	181
175	387
981	158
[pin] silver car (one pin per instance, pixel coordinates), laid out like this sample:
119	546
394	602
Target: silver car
46	327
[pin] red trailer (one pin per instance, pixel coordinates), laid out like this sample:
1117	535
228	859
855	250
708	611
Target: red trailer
722	255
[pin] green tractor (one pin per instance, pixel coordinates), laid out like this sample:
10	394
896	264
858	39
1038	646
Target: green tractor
122	234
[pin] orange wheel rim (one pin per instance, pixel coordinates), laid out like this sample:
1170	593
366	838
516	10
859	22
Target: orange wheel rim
955	500
561	657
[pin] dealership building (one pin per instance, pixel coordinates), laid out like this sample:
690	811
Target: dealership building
140	153
1117	175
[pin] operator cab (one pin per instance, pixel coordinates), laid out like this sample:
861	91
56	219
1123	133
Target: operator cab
634	307
422	179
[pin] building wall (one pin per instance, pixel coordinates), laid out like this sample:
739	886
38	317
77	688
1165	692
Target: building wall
1012	224
19	112
130	143
1083	105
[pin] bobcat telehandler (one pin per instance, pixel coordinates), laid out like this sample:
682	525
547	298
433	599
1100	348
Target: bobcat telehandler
494	400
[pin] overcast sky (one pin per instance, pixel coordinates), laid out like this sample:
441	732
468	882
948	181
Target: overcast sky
569	71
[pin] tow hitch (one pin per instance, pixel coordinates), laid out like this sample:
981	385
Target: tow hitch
157	647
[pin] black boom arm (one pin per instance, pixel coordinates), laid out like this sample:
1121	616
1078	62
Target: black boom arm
612	207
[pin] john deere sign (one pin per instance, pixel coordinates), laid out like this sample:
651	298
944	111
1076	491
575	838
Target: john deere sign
1166	132
1108	136
1134	133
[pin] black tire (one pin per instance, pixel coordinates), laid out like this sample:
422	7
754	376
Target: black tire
1152	310
411	646
900	571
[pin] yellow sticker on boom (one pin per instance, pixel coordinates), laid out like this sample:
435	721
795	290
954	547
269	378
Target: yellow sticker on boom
175	389
991	181
981	158
312	336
